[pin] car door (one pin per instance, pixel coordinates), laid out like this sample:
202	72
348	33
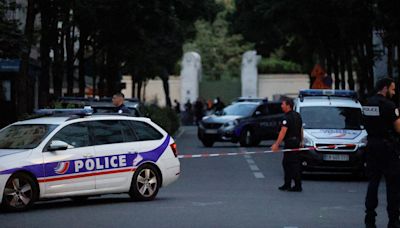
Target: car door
114	145
71	170
270	121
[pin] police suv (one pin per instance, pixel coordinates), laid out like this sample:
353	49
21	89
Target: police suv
332	117
81	156
245	122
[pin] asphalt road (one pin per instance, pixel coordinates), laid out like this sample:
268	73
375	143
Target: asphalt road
235	191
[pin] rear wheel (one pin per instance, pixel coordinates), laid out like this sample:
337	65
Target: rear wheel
20	193
145	183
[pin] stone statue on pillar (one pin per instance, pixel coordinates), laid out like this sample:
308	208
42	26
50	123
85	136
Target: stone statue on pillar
249	74
190	77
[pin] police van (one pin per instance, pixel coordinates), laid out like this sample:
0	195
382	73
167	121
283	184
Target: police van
332	117
84	155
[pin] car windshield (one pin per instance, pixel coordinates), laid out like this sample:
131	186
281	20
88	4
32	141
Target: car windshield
331	118
24	136
239	109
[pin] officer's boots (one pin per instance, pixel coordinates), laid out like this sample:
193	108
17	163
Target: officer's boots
370	220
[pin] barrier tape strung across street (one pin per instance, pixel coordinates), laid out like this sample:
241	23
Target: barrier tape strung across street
264	152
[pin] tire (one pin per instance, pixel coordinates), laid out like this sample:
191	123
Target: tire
247	138
145	183
207	142
20	193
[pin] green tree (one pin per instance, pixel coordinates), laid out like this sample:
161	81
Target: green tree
220	52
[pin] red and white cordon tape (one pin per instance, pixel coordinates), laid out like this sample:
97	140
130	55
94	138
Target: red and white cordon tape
264	152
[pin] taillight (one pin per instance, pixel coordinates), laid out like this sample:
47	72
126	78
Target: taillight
174	149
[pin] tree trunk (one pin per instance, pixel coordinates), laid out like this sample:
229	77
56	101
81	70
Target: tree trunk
69	43
57	68
342	72
361	70
81	67
139	89
44	55
390	60
94	64
370	63
164	77
335	67
23	100
133	85
349	66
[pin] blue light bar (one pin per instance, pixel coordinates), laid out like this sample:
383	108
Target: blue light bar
327	92
65	112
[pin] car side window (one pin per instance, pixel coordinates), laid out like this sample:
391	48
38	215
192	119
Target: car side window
145	132
106	132
274	108
75	135
263	109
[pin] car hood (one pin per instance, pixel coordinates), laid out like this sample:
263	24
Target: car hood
6	152
333	133
220	119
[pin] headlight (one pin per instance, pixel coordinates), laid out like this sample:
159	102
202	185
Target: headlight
308	142
231	123
363	142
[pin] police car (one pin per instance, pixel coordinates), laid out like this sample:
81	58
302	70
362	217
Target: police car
245	122
332	117
81	156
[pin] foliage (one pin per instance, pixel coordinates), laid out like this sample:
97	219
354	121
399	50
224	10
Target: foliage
221	52
11	38
275	65
165	117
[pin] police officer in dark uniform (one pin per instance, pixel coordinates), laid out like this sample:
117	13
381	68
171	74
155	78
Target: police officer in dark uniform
292	134
118	102
381	116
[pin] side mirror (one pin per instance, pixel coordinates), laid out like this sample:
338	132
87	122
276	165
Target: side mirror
257	113
57	145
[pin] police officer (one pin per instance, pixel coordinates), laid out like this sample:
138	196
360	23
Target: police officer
118	102
292	134
381	116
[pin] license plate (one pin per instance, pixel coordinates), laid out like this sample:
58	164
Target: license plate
336	157
211	131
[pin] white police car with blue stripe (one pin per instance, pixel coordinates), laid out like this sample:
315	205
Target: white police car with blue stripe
55	157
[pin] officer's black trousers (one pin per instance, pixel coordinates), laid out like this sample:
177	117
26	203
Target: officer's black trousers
292	169
392	193
381	161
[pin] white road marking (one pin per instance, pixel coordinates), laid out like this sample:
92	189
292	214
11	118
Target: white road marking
258	175
254	168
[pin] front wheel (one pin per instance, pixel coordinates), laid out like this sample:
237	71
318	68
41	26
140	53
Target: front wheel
145	183
207	142
20	193
248	138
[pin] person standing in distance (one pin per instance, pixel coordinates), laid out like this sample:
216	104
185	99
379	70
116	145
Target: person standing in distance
381	116
292	134
118	102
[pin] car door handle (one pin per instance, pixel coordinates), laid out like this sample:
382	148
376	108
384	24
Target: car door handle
88	155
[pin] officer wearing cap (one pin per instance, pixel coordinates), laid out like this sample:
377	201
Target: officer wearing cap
118	102
292	134
381	116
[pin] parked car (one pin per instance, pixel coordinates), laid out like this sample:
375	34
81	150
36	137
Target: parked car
245	122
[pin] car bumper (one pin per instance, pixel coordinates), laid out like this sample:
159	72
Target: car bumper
3	181
220	135
316	161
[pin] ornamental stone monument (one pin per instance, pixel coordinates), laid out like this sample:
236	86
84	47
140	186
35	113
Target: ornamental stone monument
249	74
190	77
